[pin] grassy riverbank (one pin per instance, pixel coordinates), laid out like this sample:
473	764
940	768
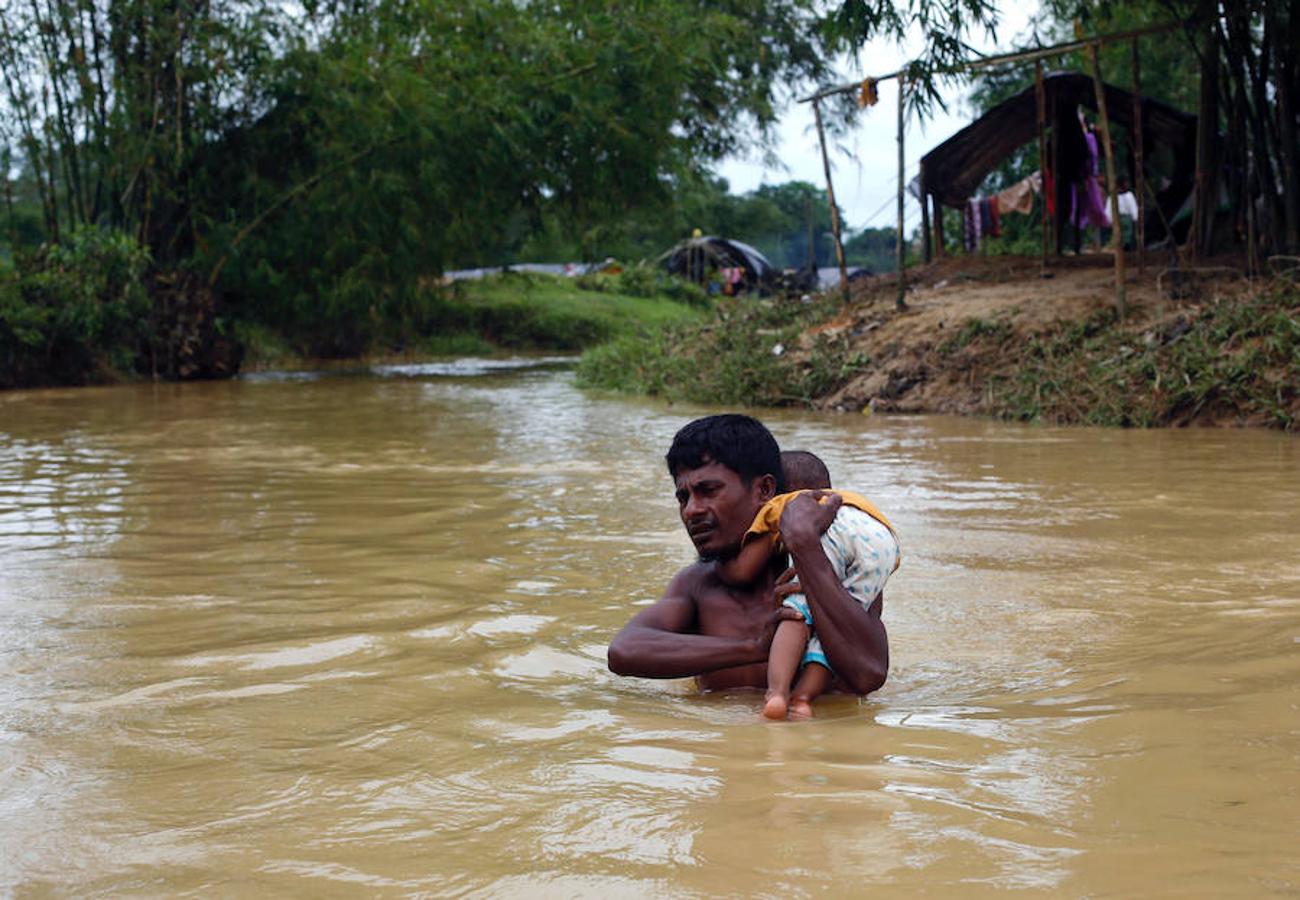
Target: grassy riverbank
991	336
82	313
513	312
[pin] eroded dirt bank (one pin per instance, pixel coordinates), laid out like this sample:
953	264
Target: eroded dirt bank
999	336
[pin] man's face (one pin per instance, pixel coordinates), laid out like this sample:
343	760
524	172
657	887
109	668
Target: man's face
717	507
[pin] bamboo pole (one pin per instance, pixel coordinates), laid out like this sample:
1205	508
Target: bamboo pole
1207	126
939	250
901	302
1110	179
1040	96
1058	220
1139	157
830	194
925	218
1002	58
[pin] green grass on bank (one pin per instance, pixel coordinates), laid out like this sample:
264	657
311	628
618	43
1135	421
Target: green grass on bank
543	312
514	311
741	355
1231	360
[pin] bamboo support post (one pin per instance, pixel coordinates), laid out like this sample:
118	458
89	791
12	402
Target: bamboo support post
939	250
1110	179
1058	217
1040	97
1139	163
830	194
1012	57
925	218
901	302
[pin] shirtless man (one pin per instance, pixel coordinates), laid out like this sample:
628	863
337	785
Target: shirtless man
725	468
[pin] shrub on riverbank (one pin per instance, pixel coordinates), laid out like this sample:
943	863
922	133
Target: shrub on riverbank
74	312
1235	361
736	357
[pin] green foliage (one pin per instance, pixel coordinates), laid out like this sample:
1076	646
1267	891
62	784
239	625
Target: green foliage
774	219
740	356
944	26
540	312
997	330
563	117
874	248
74	312
316	164
644	280
1235	359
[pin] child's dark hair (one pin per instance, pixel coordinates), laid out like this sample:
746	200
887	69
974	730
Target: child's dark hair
741	443
804	471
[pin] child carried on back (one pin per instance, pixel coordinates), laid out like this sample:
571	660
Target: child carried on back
863	550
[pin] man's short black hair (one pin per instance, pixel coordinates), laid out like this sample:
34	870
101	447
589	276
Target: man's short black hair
804	471
741	443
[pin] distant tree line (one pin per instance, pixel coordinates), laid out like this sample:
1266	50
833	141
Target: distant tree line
789	223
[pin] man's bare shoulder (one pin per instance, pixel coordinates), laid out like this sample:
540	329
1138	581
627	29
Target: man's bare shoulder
693	579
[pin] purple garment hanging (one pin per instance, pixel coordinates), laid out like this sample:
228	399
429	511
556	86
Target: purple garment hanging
1089	204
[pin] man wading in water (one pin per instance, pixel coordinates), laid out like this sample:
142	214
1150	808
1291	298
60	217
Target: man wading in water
725	468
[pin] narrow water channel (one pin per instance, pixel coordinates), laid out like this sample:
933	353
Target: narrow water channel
335	636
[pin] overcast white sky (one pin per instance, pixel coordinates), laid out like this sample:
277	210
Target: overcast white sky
866	177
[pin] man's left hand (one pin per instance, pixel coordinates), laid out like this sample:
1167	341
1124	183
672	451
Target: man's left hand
807	516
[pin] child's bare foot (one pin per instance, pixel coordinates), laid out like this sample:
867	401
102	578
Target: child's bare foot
800	708
774	707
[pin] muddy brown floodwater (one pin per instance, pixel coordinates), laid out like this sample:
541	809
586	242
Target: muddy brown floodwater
344	636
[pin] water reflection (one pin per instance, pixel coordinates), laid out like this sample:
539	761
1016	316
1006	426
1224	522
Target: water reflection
346	634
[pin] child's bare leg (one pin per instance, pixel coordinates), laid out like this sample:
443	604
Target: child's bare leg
811	685
782	662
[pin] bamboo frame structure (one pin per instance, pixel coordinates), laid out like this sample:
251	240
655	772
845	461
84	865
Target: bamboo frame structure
900	301
1139	164
1117	240
1091	45
1040	97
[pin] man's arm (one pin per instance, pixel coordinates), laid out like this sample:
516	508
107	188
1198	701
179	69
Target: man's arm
658	643
853	638
752	561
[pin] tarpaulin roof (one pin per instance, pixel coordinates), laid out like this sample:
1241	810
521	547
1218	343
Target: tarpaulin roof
954	169
719	252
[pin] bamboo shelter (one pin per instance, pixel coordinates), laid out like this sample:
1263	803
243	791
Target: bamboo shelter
1103	102
953	170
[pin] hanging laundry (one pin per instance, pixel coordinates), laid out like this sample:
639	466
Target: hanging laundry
868	95
1019	197
1089	201
971	225
980	219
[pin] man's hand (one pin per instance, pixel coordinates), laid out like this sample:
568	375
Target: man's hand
786	584
806	518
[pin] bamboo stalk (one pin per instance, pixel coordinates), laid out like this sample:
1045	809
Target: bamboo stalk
1002	58
830	194
901	302
1110	178
925	217
1139	157
939	249
1040	97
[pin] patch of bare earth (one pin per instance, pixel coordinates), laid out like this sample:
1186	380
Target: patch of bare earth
968	317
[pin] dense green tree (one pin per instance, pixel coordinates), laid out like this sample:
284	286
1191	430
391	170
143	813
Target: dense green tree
315	163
